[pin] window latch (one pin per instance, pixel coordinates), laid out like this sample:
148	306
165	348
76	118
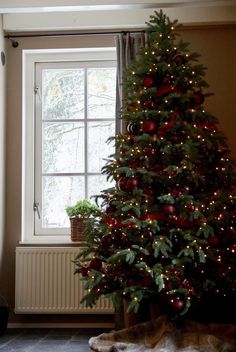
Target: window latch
37	209
37	91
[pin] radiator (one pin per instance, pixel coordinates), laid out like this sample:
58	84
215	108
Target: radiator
46	283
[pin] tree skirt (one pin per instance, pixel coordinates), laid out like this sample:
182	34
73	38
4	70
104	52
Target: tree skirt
161	335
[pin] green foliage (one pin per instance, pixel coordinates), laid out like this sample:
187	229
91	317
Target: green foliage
82	209
166	230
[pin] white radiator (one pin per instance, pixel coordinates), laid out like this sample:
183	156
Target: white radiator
46	283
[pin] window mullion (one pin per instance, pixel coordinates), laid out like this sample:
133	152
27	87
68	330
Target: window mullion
86	131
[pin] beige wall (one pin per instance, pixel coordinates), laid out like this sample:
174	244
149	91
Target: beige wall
2	157
218	50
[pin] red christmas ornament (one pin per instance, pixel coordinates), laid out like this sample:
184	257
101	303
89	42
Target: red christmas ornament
95	264
107	241
176	305
149	126
123	150
181	222
175	114
176	192
148	191
148	81
165	90
179	59
84	271
147	234
190	207
165	128
149	104
149	151
110	221
213	241
134	164
127	184
198	98
169	209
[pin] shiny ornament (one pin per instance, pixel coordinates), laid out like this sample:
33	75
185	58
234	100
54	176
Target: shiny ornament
107	241
84	271
150	151
165	90
149	104
95	264
127	184
148	81
179	60
110	221
149	126
198	98
169	209
213	241
176	305
148	191
134	128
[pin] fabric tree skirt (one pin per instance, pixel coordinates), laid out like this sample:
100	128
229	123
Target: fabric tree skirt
161	335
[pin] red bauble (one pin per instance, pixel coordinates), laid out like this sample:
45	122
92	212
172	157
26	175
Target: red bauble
179	59
110	221
149	104
148	191
135	164
148	81
127	184
107	241
176	305
147	234
165	90
123	151
190	207
169	209
132	183
175	114
149	126
95	264
150	151
134	128
213	241
84	271
198	98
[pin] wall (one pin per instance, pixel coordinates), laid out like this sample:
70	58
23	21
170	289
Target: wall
2	156
217	46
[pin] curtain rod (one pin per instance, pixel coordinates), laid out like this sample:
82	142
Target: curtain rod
38	35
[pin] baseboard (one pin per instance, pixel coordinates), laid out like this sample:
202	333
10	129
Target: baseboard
61	326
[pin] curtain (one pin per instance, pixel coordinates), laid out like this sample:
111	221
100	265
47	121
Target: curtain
127	48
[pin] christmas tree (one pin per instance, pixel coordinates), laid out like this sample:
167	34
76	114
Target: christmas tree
166	231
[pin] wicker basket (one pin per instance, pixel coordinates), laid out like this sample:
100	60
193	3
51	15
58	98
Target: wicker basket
77	229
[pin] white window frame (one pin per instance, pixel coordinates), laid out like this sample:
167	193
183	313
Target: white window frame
29	59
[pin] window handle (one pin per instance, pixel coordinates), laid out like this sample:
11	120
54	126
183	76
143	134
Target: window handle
38	91
37	209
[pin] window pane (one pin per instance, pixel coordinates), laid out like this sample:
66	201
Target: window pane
97	183
101	92
63	147
59	192
63	93
98	149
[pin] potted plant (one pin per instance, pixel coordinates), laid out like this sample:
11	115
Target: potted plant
79	213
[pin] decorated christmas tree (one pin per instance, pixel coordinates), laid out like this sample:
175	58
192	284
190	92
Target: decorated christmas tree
166	231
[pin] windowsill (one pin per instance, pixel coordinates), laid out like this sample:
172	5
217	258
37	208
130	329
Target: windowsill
41	243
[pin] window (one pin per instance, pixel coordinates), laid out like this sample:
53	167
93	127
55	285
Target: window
67	121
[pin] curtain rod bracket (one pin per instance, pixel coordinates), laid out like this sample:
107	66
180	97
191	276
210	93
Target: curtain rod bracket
14	43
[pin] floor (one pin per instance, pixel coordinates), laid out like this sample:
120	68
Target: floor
47	340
